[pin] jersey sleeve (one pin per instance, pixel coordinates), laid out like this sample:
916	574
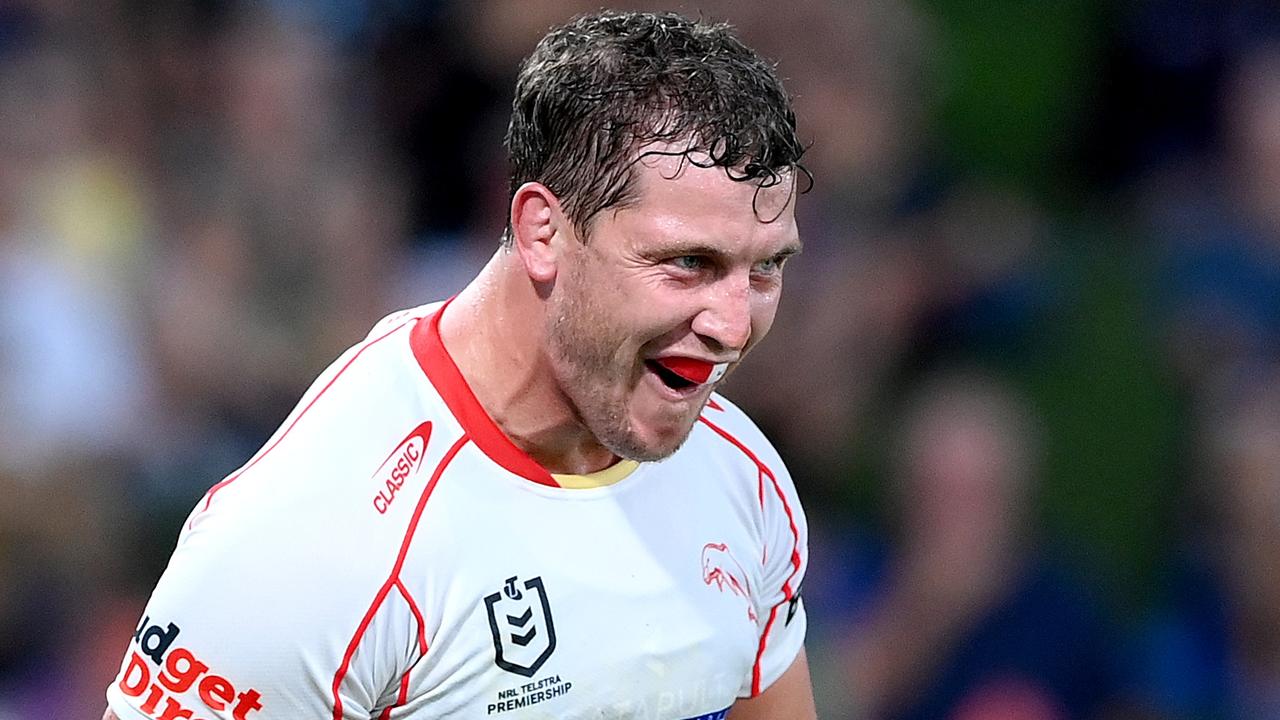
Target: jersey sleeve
245	632
784	537
199	651
779	610
282	599
276	601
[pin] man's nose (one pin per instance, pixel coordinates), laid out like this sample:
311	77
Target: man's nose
726	316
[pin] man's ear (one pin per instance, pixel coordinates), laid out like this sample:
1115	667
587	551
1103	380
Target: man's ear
536	221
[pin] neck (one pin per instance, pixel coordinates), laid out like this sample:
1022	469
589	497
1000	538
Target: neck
495	331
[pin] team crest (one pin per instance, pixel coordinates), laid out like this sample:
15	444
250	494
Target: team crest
524	635
721	570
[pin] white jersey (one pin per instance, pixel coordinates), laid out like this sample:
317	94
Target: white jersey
389	553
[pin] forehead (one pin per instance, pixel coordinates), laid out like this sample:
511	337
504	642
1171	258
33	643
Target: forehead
681	195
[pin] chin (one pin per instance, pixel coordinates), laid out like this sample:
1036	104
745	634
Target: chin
641	452
642	446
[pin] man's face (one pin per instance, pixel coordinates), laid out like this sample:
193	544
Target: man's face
691	269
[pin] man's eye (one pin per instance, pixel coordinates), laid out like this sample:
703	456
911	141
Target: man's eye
769	267
689	262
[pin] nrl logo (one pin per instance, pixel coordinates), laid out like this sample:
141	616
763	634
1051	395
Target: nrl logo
520	619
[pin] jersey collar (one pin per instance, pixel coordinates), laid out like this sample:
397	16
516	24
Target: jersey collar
444	375
600	478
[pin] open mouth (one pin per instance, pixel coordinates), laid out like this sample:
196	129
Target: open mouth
669	378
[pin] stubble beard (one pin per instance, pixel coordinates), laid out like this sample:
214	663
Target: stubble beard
594	368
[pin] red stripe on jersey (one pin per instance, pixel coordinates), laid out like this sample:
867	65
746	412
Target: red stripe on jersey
444	374
787	590
422	649
208	497
760	487
404	695
764	639
417	614
392	580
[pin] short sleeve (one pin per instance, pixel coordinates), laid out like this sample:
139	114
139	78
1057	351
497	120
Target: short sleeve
244	630
780	612
282	598
202	654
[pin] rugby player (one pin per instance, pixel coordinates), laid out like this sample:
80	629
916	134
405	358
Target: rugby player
528	501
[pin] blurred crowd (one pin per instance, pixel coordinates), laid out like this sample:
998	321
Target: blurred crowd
1026	372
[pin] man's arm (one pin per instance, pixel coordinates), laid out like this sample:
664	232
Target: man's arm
790	697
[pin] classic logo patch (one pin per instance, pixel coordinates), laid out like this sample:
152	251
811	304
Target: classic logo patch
524	635
403	462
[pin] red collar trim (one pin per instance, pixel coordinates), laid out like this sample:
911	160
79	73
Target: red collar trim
443	373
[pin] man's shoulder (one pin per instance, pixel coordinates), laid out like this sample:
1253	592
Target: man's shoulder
369	396
723	413
370	370
369	414
402	318
734	431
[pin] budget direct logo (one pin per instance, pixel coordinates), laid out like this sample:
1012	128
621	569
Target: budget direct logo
403	463
158	672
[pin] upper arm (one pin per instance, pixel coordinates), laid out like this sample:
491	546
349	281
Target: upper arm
238	628
784	537
780	610
790	697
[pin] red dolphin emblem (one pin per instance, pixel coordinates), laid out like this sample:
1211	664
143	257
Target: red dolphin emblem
721	569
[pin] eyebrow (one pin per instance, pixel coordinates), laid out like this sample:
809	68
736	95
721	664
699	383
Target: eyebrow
676	249
790	250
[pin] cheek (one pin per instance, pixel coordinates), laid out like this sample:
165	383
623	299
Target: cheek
764	308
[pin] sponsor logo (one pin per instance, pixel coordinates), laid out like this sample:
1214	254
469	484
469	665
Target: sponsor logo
792	606
722	571
177	670
403	463
524	635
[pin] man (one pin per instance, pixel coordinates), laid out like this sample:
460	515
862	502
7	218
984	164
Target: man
526	502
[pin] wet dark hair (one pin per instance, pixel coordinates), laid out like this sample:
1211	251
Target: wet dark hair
596	90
